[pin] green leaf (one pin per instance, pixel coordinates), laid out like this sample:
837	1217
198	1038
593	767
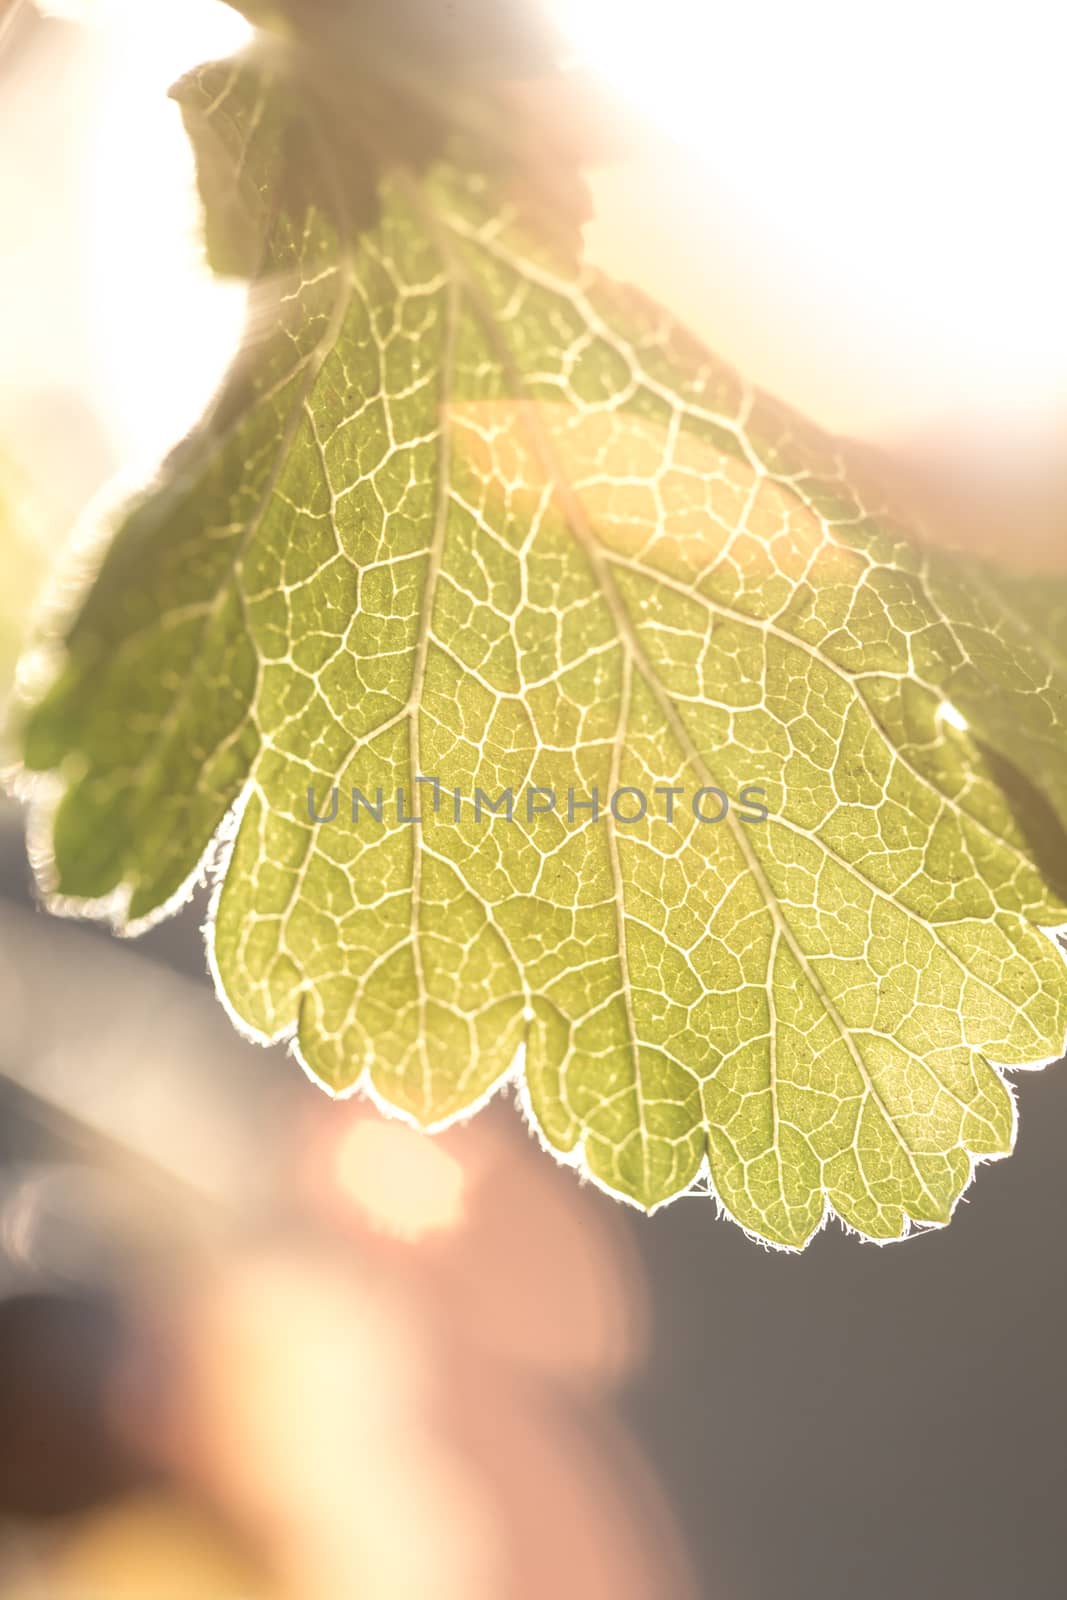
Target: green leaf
467	511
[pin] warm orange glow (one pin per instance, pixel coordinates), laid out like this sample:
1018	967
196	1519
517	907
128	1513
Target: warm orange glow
313	1420
149	1548
402	1182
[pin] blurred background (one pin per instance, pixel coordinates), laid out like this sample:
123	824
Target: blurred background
257	1344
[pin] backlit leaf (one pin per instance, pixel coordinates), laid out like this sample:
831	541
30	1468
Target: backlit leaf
467	512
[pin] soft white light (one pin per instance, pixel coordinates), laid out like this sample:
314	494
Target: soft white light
164	327
901	164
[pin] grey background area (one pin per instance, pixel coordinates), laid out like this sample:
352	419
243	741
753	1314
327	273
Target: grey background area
873	1422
